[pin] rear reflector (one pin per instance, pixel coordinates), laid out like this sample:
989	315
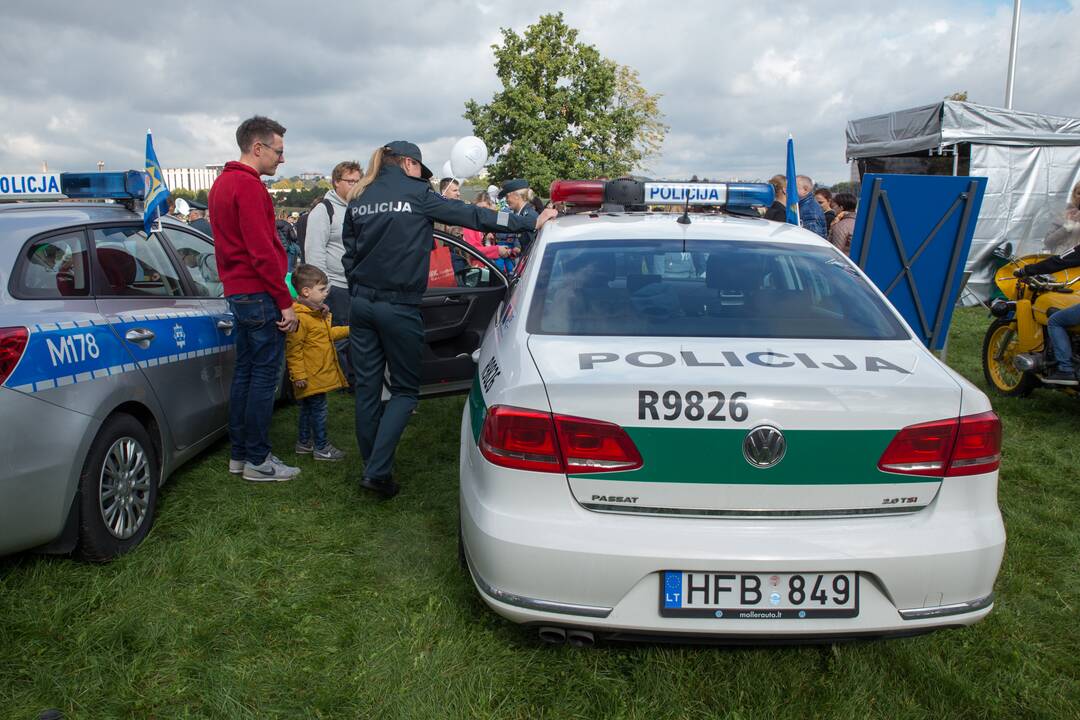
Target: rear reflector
12	344
962	446
538	441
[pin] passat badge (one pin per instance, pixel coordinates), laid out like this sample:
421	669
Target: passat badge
764	446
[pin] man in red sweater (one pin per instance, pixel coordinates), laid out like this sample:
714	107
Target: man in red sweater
252	264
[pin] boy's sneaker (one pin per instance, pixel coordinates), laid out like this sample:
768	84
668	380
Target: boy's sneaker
304	448
236	467
271	470
329	453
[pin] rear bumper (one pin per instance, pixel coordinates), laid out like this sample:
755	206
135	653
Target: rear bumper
43	447
539	557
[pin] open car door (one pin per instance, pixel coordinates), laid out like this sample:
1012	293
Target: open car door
464	292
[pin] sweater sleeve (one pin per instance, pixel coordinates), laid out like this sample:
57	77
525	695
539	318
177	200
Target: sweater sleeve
455	212
475	238
294	353
316	237
263	246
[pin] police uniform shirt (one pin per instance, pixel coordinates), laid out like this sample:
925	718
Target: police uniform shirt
388	232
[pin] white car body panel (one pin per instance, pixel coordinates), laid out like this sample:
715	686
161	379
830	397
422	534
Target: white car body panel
542	550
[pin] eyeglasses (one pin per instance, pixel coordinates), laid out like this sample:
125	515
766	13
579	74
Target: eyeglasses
349	182
269	147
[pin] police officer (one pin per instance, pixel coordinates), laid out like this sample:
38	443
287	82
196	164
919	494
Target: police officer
519	199
388	242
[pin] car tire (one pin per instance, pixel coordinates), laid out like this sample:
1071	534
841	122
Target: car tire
999	346
118	490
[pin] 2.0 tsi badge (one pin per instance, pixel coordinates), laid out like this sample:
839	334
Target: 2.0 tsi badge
764	446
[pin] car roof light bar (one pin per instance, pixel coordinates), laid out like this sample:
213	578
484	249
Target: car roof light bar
629	193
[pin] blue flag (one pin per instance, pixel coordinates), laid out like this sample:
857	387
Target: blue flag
156	202
792	186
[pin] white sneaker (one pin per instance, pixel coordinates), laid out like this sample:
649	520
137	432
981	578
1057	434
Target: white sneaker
271	470
236	467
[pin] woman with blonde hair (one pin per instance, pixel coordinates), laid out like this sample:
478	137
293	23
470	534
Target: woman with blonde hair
388	242
778	210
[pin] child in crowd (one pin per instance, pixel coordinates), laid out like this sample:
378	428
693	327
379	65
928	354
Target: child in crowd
313	363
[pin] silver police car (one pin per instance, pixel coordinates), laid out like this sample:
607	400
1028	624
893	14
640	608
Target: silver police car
116	358
116	354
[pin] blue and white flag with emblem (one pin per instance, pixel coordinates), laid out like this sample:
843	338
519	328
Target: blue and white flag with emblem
792	185
156	202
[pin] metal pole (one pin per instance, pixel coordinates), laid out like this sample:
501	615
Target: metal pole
1012	55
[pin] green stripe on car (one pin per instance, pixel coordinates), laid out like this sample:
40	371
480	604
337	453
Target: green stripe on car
714	456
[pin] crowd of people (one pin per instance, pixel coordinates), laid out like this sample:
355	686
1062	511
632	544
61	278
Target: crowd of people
358	262
358	272
830	216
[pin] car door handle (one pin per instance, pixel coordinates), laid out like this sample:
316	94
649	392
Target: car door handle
452	301
140	336
225	325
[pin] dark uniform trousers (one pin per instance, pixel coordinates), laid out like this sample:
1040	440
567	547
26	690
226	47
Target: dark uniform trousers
381	333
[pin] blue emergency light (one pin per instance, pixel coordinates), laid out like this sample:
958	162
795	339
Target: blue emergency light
129	185
631	193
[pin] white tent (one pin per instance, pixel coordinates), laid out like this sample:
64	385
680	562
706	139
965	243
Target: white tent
1031	162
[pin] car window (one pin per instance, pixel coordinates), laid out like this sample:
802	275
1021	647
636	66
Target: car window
132	264
706	289
54	267
456	267
198	261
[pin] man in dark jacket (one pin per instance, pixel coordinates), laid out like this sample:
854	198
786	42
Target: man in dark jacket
1064	373
388	244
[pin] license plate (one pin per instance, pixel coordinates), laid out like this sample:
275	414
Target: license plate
758	596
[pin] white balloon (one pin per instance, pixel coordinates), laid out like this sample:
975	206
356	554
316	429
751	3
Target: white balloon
447	171
468	156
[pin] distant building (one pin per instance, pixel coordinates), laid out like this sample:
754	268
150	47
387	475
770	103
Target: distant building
193	179
306	176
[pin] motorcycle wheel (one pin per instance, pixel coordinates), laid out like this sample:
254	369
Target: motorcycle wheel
999	347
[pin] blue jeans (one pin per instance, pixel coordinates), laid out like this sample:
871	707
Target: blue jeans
260	351
1059	336
313	421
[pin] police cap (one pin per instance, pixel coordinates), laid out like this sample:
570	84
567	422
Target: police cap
404	148
511	185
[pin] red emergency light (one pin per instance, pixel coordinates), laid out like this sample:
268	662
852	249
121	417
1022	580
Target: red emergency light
578	192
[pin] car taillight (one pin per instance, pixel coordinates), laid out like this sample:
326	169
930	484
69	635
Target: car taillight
961	446
12	344
538	441
590	446
978	445
521	439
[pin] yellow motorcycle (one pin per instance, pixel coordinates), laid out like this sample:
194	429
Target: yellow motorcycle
1016	349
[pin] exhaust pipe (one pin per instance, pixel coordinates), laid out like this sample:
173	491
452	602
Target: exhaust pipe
552	635
580	639
1025	362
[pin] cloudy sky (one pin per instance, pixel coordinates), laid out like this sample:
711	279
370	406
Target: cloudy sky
82	81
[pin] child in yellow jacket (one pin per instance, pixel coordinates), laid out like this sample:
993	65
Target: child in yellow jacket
313	363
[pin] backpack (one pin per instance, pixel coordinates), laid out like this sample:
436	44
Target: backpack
301	226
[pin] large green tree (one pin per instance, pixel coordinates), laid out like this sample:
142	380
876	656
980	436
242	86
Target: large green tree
564	110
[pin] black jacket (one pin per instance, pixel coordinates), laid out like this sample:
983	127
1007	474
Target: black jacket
776	212
1067	259
388	233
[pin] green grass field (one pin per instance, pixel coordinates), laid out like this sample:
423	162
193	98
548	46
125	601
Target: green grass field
310	600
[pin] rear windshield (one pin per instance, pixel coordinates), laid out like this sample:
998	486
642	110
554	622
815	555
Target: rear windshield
707	289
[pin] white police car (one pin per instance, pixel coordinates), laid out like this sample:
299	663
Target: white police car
116	355
714	425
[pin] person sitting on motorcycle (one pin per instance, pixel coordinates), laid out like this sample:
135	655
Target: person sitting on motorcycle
1064	374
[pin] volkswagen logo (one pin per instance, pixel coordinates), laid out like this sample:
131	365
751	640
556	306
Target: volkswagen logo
764	446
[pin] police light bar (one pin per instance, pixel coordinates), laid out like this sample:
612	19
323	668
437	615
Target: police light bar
129	185
636	192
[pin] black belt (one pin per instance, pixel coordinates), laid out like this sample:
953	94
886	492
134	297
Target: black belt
390	296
